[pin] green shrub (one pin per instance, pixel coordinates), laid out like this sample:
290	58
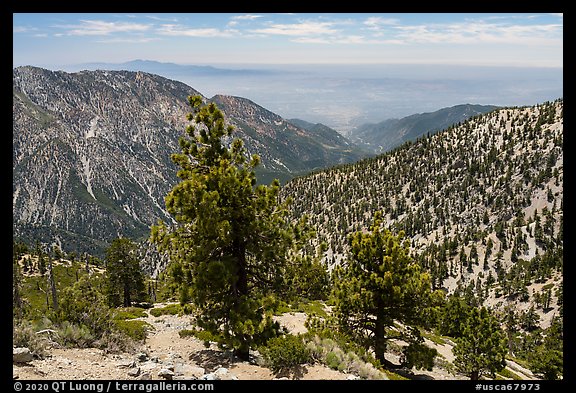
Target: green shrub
333	360
203	335
330	352
419	356
284	352
114	341
128	313
314	307
24	335
73	335
84	304
187	333
325	332
274	305
134	329
188	309
508	374
171	309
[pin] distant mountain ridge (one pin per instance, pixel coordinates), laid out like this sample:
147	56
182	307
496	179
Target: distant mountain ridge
91	152
166	69
386	135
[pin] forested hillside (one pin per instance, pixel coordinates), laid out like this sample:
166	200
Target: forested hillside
481	202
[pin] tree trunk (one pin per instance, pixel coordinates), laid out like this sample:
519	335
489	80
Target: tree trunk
241	293
243	352
242	280
52	286
474	375
127	300
379	331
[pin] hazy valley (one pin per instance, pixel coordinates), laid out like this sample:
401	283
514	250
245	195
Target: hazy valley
347	96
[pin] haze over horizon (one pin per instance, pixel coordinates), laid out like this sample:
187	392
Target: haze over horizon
338	69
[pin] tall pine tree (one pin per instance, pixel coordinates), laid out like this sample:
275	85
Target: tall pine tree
382	284
124	278
232	237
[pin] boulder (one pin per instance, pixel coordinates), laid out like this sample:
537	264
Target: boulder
221	374
141	357
145	377
166	374
22	355
188	371
126	363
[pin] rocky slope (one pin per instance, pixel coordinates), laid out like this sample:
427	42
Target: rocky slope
91	152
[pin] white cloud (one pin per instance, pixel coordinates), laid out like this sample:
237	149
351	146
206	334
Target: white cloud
312	40
375	22
235	20
142	40
480	32
342	40
20	29
246	17
162	19
178	30
100	27
298	29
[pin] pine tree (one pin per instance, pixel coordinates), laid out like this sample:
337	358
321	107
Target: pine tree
381	284
547	358
306	276
17	300
452	318
124	278
232	237
52	285
529	320
482	347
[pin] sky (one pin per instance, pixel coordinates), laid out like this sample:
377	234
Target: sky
510	39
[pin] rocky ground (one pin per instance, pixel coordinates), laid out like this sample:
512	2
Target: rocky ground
165	355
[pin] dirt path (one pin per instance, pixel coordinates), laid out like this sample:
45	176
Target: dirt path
165	355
